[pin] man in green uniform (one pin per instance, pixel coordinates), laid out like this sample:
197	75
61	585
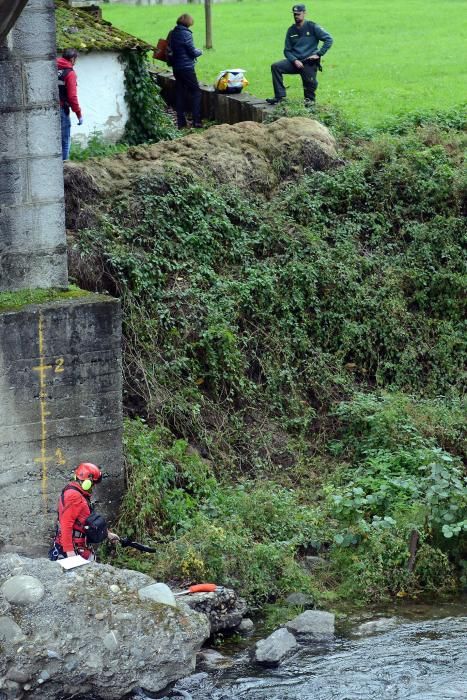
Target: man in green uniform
302	55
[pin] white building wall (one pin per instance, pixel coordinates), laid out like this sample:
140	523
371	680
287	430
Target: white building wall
101	95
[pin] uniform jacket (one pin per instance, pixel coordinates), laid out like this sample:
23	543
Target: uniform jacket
71	86
184	51
73	510
302	42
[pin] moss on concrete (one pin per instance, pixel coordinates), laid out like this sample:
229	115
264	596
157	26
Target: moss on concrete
79	30
13	301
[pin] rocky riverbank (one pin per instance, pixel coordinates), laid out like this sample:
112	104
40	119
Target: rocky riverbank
89	631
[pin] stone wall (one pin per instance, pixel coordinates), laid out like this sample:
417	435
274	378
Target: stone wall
32	231
60	404
225	109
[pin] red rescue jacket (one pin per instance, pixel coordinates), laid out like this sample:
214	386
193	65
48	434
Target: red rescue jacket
73	508
68	91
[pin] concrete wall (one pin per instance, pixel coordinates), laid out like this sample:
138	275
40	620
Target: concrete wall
225	109
101	93
60	404
32	230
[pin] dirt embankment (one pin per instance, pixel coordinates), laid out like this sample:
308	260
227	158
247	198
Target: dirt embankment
248	155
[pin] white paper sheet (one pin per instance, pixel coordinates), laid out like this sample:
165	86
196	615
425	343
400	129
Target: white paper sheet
72	562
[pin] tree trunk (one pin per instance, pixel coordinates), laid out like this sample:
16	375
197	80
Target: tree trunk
208	18
413	545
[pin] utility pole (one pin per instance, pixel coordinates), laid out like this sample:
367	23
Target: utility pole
208	18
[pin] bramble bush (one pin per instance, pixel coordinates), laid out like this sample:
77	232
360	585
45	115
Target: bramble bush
400	481
244	535
248	320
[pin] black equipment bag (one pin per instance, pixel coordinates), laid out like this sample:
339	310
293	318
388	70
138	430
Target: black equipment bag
95	528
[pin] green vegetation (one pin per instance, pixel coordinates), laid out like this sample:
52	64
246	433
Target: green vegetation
313	354
96	147
388	57
243	534
13	301
148	120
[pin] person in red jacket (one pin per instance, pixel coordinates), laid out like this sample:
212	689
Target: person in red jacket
74	507
68	95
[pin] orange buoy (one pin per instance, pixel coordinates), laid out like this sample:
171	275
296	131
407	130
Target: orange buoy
202	588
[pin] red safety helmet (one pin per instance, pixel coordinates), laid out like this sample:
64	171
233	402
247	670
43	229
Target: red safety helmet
87	470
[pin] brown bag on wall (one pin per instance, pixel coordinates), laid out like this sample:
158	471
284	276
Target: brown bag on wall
163	50
160	52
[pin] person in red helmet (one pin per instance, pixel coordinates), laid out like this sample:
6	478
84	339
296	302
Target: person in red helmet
74	510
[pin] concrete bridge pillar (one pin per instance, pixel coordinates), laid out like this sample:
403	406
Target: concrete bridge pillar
60	361
32	225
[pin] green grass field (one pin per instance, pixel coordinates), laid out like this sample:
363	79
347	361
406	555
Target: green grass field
388	57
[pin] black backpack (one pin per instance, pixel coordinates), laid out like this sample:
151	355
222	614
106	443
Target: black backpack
95	527
169	53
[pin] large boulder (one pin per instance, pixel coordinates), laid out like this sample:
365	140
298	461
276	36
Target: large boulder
317	624
255	157
223	607
88	631
272	650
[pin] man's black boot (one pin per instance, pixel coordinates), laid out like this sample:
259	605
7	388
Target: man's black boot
274	100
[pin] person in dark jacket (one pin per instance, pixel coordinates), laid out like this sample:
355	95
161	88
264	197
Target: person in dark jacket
302	55
184	55
68	96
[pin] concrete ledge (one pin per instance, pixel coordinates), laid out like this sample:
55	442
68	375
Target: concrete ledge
60	404
226	109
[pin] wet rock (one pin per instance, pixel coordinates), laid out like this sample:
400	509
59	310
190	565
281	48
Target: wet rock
312	623
382	624
272	650
212	659
191	682
224	608
246	626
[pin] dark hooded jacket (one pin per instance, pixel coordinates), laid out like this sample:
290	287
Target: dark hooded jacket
183	48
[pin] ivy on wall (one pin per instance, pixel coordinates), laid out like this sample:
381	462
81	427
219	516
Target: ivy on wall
148	120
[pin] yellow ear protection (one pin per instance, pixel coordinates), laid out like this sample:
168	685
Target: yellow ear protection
86	485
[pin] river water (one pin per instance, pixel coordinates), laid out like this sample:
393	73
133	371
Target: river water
421	656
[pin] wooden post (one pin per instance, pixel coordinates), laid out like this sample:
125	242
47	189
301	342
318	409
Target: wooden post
413	546
208	19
